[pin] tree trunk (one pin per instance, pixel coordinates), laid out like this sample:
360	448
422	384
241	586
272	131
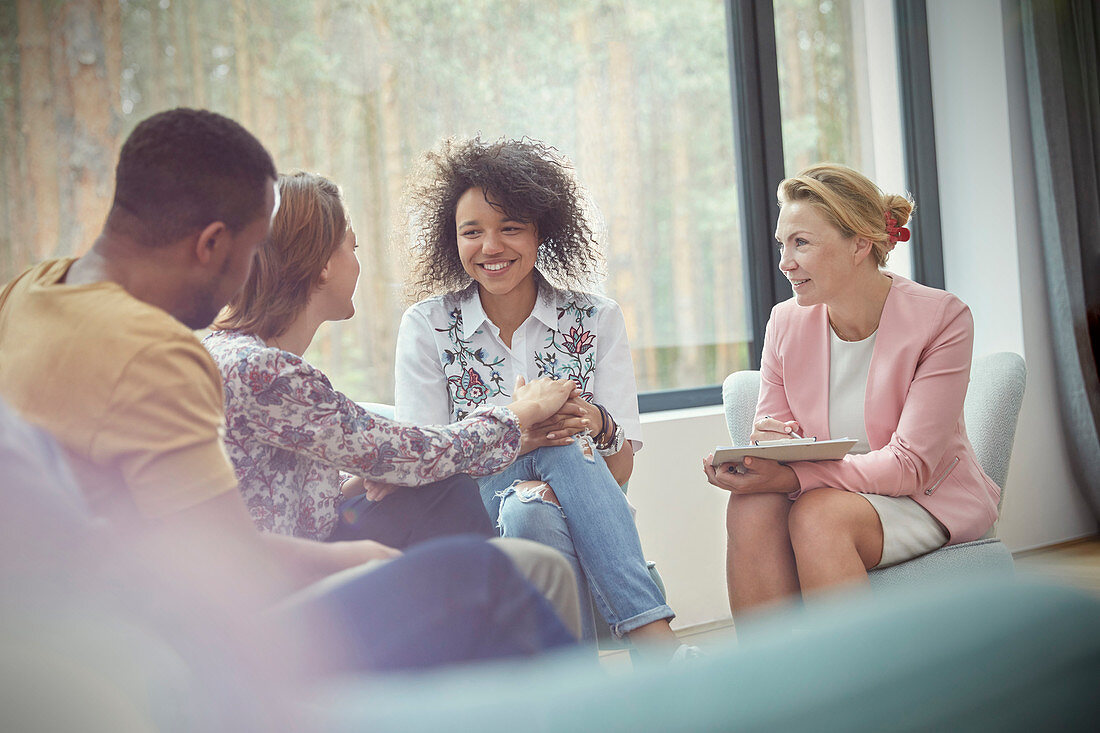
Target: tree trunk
795	99
633	273
173	55
111	23
193	22
392	167
92	141
14	242
153	92
685	257
325	138
39	130
372	242
265	125
243	58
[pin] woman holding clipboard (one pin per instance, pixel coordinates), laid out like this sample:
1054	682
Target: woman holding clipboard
863	353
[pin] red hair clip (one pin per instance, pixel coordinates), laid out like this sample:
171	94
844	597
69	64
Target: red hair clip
893	231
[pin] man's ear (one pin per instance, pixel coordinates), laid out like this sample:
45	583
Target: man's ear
212	244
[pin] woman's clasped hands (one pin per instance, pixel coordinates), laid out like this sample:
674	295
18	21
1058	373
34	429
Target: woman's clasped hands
757	475
571	417
545	407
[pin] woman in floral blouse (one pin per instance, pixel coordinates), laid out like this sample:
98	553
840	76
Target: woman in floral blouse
502	249
300	447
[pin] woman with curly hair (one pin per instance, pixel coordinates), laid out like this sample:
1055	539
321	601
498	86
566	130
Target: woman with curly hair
502	250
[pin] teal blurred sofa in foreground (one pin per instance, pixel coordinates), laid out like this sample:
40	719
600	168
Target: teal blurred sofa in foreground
1000	655
91	640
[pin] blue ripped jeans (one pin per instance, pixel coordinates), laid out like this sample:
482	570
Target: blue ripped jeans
593	528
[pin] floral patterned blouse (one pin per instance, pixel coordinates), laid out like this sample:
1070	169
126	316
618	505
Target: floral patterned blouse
290	435
451	359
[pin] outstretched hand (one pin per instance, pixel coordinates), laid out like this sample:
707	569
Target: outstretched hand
751	476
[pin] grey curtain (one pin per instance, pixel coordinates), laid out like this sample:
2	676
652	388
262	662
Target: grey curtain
1061	39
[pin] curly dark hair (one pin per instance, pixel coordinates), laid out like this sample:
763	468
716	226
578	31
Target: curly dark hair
526	180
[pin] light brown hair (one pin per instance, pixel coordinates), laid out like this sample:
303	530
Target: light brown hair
849	201
310	225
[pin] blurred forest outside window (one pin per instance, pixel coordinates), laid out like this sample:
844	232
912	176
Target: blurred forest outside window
838	91
636	93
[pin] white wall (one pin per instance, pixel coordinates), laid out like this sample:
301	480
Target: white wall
992	260
681	518
992	256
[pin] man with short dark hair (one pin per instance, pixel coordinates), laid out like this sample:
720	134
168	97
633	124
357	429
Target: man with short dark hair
98	351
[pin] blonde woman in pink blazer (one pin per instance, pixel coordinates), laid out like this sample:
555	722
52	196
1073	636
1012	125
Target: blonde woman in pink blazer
863	353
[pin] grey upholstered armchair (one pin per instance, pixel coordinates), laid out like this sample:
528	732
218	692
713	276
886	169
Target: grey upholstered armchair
990	412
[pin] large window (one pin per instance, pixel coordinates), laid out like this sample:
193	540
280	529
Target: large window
636	93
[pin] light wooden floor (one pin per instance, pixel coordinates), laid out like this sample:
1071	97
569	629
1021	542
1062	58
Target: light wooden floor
1075	563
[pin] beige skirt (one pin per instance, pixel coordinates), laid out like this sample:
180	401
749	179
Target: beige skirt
908	530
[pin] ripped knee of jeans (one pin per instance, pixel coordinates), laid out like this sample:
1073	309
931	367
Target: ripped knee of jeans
528	491
529	494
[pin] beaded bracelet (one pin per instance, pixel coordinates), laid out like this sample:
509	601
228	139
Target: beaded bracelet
605	430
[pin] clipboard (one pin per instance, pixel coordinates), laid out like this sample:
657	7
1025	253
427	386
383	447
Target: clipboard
785	451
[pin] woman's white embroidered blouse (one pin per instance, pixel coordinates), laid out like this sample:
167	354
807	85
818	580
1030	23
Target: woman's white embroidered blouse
451	360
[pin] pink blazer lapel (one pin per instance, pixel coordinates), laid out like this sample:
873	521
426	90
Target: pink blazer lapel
893	364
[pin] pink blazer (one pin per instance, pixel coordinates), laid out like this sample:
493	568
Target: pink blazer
913	409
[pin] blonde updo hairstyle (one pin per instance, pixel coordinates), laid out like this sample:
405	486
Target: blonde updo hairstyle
849	201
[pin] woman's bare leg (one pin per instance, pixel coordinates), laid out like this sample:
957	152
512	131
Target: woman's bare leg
837	538
760	564
656	635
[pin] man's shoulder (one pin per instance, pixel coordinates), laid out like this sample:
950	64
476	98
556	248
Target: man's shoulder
54	333
47	271
93	310
129	328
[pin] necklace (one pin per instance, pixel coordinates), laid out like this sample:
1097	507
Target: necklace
839	334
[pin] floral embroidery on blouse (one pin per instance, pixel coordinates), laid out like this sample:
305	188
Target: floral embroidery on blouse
577	349
465	384
290	434
473	379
